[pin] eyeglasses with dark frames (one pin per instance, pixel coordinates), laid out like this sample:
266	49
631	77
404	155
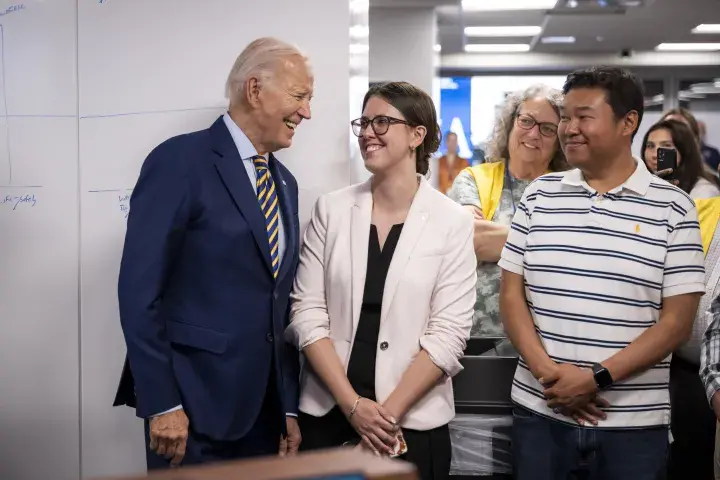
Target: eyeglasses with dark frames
380	124
526	122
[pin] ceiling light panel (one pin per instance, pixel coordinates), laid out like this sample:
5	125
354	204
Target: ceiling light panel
688	47
496	47
510	31
707	28
490	5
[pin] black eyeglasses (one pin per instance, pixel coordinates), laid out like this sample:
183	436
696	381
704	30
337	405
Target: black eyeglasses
547	129
379	124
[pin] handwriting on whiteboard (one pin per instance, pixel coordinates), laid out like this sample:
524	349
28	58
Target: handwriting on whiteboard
11	9
124	203
121	198
18	201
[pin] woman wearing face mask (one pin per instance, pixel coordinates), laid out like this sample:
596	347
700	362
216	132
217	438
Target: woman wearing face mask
690	174
383	297
523	146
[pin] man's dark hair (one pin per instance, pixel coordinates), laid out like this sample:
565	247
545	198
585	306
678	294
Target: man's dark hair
623	91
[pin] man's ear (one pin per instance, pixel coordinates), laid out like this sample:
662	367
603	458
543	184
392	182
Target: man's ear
252	91
630	123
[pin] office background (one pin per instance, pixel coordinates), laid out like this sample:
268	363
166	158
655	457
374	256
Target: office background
90	86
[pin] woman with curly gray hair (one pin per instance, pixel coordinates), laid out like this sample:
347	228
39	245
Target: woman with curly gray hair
523	146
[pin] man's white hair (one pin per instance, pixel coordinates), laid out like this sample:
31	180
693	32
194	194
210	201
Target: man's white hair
259	59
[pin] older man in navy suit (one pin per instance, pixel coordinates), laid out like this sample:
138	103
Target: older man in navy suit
209	259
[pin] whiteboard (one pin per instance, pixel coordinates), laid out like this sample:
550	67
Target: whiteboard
149	70
39	354
87	89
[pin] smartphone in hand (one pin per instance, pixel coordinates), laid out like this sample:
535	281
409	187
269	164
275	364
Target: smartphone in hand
666	161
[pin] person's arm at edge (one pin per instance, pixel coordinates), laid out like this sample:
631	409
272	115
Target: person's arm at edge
159	210
710	357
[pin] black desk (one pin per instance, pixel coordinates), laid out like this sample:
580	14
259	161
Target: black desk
483	388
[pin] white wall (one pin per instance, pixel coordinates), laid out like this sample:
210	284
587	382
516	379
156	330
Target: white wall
359	76
649	119
402	42
88	89
39	347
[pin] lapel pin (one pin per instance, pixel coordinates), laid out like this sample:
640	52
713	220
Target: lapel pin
284	183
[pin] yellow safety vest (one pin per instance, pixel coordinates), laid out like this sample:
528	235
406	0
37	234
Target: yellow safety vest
490	177
708	216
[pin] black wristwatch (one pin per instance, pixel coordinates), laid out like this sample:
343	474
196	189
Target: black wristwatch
603	379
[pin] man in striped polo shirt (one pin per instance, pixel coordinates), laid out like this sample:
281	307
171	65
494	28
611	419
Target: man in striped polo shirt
602	274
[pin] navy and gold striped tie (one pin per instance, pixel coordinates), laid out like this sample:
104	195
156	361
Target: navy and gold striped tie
267	197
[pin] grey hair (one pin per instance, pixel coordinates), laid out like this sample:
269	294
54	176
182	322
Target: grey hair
259	59
497	149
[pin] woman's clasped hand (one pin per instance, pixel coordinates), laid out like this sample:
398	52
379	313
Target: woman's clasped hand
375	425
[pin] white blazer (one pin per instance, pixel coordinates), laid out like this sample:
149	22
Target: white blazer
428	299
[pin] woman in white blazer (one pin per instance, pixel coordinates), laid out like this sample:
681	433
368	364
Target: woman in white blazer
384	294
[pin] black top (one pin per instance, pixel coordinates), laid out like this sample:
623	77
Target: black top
361	367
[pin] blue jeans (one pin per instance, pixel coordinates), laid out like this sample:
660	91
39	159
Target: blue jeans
545	449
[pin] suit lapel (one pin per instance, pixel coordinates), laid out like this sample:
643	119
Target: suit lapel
234	176
359	239
415	222
287	217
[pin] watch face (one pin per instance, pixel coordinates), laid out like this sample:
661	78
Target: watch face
603	378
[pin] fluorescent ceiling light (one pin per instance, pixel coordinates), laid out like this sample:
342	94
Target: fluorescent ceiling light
688	47
359	31
437	47
359	48
557	39
359	6
707	28
496	47
519	31
490	5
704	88
690	95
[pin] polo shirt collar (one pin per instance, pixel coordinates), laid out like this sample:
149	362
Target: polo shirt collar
638	182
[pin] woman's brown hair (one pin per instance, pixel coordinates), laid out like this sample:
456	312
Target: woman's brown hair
689	117
691	167
418	109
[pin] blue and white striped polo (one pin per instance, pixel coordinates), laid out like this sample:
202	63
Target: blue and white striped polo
596	269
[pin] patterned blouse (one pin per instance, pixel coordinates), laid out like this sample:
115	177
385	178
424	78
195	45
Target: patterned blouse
486	321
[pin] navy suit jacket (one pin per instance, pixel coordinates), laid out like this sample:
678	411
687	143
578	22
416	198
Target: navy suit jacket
202	315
